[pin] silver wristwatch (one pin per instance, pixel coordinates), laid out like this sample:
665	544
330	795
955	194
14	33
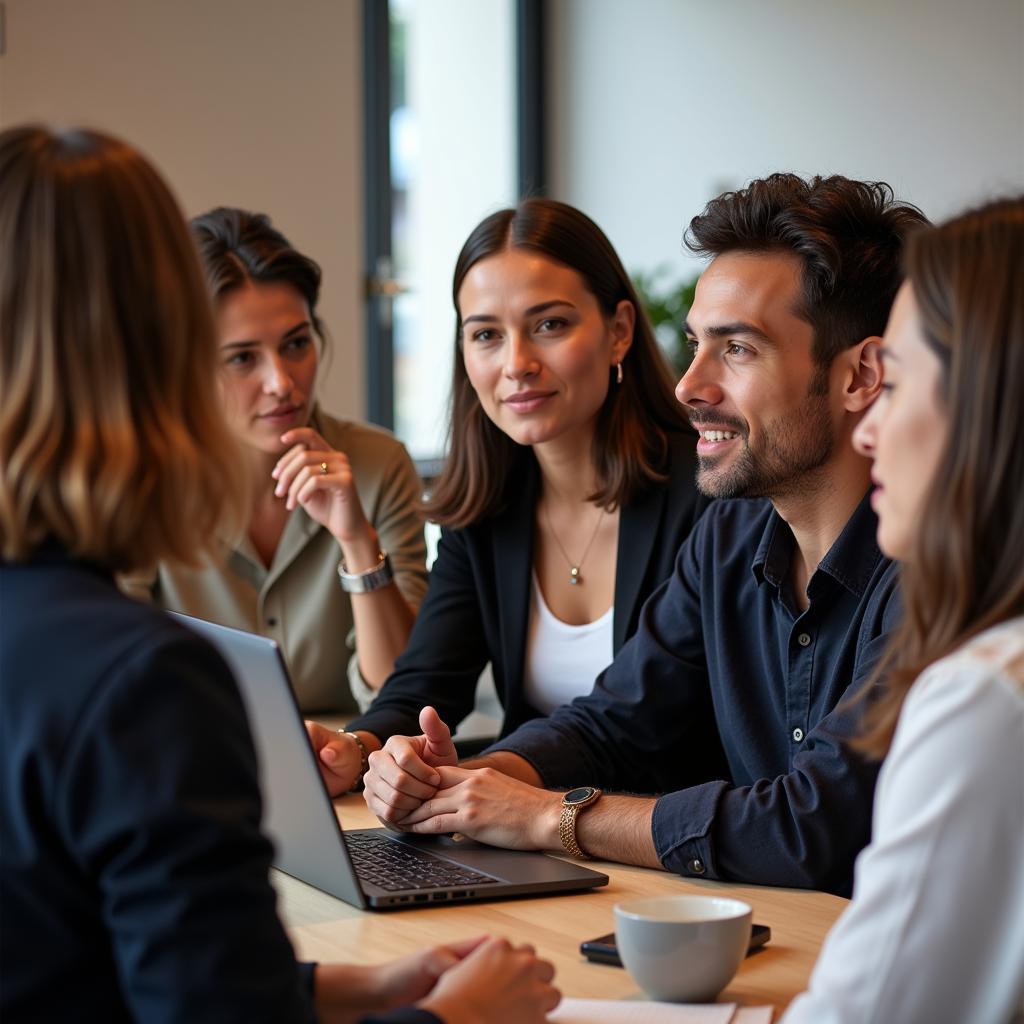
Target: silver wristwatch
365	582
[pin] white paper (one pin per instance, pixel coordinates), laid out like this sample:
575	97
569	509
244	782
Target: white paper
613	1011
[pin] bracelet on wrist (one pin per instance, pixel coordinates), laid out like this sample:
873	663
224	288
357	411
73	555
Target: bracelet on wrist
372	579
364	759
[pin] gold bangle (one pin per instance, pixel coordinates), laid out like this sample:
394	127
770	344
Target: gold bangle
364	759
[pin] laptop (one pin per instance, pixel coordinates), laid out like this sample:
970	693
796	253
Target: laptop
373	869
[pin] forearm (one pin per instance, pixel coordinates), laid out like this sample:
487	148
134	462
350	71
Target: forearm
346	994
343	993
512	765
618	828
615	828
383	620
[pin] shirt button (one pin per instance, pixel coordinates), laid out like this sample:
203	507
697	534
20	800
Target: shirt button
798	734
803	639
696	866
271	621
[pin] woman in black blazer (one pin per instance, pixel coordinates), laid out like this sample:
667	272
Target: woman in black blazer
567	492
133	873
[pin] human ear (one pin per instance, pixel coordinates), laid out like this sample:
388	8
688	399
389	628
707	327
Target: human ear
863	375
621	325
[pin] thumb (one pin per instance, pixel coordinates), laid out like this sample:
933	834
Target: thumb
434	962
437	734
452	775
439	959
331	756
463	947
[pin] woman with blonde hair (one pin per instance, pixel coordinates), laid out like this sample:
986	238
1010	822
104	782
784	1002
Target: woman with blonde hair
935	931
133	874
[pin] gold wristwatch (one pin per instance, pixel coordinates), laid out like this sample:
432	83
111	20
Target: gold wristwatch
572	803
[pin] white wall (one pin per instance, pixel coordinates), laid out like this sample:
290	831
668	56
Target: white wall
655	106
253	103
658	105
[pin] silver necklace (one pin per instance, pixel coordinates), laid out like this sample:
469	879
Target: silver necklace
575	579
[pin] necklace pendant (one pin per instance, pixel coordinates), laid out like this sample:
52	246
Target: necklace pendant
574	575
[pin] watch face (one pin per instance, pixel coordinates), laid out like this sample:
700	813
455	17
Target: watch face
577	796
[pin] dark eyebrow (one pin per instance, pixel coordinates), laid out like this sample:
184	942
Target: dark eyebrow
532	311
725	330
250	342
542	306
303	326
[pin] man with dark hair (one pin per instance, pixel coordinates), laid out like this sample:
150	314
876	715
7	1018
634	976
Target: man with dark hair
731	700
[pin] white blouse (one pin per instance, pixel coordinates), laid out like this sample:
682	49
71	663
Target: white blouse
935	930
562	661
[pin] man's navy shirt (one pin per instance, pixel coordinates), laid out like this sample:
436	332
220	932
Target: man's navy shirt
732	703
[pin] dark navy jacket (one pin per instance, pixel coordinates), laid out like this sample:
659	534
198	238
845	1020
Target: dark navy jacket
723	664
133	875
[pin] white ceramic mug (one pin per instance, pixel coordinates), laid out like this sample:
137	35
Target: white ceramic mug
682	948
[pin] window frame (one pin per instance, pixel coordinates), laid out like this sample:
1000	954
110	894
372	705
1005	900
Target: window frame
530	36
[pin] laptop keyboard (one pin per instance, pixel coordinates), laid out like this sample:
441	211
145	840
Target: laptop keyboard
396	867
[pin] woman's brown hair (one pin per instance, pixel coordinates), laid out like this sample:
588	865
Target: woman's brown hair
633	425
112	442
237	247
966	573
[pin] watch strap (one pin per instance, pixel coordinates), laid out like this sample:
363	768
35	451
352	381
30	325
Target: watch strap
364	759
372	579
567	825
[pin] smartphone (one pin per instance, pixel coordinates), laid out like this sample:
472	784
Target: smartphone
603	950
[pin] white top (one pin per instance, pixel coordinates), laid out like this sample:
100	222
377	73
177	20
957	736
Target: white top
562	661
935	931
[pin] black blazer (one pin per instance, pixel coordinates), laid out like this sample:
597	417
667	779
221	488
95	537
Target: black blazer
478	601
133	875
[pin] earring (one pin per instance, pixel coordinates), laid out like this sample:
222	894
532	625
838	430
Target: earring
618	374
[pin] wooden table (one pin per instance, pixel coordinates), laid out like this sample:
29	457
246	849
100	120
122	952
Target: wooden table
326	929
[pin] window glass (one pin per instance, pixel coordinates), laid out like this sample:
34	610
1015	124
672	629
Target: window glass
453	160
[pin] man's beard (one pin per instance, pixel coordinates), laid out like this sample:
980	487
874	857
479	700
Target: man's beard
791	450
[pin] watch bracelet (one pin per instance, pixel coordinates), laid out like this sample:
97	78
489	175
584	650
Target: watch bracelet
369	580
364	758
567	832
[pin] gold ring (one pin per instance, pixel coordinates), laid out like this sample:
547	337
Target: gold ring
323	468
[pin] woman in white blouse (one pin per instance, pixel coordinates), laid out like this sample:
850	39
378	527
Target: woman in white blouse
935	931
